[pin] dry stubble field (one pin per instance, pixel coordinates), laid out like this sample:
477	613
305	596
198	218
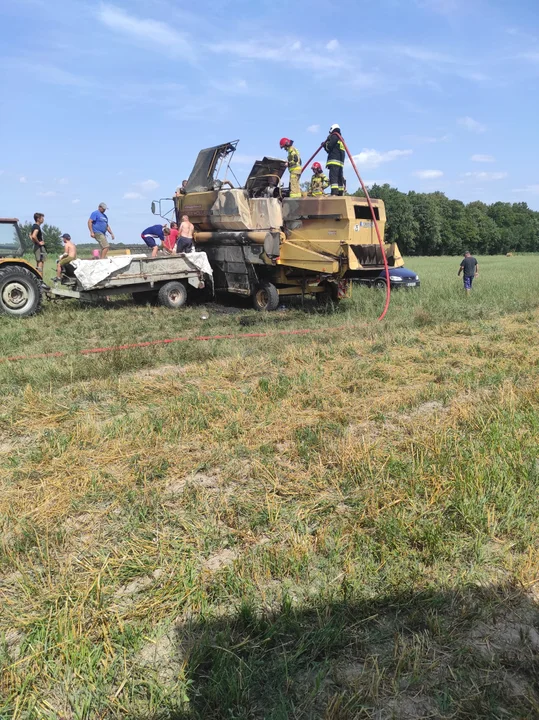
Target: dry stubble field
339	525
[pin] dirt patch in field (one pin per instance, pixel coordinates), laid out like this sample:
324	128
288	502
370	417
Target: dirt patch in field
221	559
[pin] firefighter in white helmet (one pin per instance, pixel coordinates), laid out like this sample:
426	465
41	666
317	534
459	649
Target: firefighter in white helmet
335	162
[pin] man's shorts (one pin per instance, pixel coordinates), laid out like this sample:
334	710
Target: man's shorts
468	283
184	245
67	267
150	240
101	238
39	253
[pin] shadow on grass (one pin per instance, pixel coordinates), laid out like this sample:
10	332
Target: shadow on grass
467	653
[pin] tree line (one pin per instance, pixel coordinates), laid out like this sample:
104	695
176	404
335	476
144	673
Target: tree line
432	224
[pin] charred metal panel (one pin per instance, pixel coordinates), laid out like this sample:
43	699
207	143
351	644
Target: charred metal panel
266	213
203	172
231	211
233	271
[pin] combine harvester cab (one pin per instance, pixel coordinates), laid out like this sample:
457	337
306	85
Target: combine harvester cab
264	245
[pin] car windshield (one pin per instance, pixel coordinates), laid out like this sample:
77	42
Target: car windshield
9	238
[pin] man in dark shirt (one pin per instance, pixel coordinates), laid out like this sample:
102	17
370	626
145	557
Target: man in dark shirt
36	236
471	270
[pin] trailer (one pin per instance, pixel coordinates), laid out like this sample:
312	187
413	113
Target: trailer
165	279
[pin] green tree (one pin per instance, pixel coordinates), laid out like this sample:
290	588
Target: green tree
51	236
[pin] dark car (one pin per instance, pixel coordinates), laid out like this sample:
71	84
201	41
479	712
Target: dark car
398	278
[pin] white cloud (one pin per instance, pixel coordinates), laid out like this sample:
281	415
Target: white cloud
428	174
286	53
147	185
63	181
372	158
133	196
486	175
231	87
75	202
313	129
483	158
47	193
422	54
533	189
49	74
146	31
333	45
471	124
23	179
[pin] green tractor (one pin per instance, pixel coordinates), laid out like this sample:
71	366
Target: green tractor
21	285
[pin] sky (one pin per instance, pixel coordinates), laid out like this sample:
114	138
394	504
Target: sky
111	101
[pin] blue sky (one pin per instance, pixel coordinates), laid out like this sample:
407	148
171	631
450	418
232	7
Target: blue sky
112	101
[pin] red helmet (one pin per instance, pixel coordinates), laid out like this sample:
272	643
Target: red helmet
316	167
284	142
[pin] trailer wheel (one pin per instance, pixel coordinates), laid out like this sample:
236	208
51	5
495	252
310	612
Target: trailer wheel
20	292
173	295
266	297
145	298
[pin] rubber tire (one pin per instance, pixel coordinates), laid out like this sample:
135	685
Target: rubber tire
25	277
145	298
266	297
172	295
380	284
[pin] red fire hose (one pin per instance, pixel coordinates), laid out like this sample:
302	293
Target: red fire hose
379	235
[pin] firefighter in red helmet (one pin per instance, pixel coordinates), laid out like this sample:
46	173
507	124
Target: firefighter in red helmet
319	181
294	166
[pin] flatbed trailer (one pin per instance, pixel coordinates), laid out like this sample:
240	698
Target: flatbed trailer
165	279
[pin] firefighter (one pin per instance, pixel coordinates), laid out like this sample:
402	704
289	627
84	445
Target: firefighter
294	166
335	162
319	181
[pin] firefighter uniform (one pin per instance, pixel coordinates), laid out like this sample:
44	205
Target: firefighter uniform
335	163
294	168
319	183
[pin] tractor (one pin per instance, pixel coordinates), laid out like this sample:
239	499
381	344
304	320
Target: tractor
21	285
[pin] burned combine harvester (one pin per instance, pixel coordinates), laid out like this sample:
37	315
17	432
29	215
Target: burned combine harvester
265	245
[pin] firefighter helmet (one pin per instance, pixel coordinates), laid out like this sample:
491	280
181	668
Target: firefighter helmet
335	127
316	167
285	142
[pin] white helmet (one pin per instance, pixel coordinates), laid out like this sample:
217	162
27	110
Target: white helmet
334	127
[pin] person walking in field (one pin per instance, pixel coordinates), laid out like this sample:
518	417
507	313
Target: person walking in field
36	236
98	225
186	233
470	267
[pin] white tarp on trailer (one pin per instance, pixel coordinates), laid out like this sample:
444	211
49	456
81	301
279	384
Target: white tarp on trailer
91	273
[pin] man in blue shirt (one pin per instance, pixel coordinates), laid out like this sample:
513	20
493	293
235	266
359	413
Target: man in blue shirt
154	233
98	225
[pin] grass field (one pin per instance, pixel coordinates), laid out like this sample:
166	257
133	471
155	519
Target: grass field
337	525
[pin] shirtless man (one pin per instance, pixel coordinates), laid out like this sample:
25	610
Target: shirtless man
64	263
185	238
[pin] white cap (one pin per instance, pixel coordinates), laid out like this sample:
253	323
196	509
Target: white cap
103	205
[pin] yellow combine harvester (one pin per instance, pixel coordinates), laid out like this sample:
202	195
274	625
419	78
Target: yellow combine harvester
265	245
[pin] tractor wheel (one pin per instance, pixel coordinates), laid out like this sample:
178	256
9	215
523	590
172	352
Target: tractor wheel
172	295
20	292
266	297
145	298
